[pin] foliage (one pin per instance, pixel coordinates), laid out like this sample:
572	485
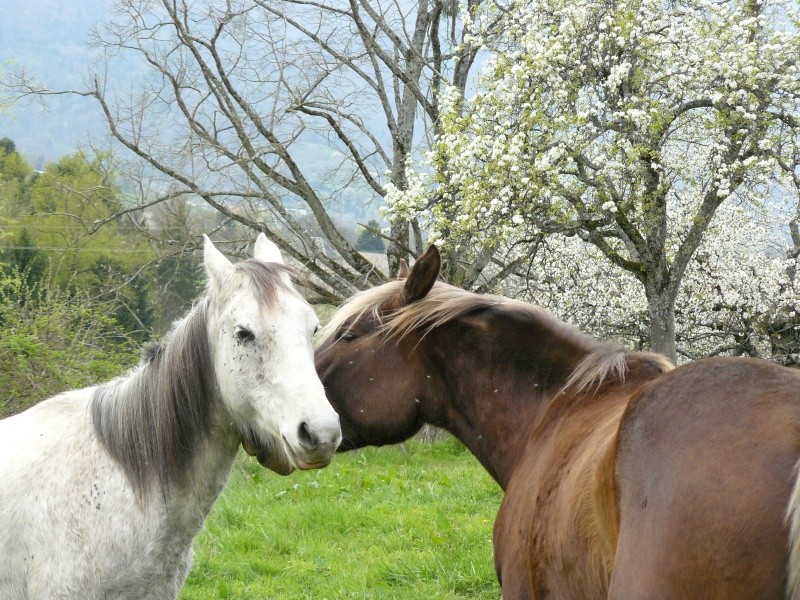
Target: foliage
71	212
54	333
407	522
368	240
625	123
65	223
14	173
51	341
25	258
7	146
178	275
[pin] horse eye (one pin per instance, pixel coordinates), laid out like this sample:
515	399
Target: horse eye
316	329
347	336
243	334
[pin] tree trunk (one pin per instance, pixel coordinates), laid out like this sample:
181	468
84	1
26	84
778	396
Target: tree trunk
793	254
661	309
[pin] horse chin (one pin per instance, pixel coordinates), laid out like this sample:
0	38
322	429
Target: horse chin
270	456
275	462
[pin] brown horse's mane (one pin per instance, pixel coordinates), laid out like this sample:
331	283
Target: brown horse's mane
446	303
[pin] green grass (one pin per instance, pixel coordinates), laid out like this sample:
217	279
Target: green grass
406	522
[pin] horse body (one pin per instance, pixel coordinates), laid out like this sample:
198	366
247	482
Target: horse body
72	525
102	490
703	500
623	478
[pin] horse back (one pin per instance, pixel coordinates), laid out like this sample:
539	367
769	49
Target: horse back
37	453
705	466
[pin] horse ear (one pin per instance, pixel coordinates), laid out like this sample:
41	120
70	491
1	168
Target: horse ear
218	268
403	271
422	276
266	250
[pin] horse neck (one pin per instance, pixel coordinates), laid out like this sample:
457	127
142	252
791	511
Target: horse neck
164	424
496	389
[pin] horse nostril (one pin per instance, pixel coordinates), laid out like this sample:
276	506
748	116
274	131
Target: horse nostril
306	439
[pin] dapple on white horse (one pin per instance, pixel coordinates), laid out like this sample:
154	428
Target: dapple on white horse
103	489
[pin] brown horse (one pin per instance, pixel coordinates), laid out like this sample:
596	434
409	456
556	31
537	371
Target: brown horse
624	478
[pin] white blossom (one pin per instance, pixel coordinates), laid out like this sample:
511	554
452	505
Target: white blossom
646	102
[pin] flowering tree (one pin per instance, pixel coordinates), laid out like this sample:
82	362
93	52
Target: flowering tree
625	123
733	299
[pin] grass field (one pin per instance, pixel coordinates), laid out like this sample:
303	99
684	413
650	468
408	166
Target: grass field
411	522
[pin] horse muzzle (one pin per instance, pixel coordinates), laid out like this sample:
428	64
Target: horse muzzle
315	445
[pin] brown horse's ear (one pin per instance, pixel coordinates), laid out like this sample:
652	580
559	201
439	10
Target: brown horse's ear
403	271
422	276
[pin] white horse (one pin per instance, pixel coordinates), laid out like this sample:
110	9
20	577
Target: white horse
102	490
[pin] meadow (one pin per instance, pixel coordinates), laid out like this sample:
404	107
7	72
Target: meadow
406	522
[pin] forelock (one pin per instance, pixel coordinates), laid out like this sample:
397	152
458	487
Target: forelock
266	280
442	304
371	301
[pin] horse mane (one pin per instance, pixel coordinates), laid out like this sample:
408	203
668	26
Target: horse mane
604	363
609	362
152	420
445	303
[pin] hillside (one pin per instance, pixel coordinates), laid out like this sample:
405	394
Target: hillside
49	40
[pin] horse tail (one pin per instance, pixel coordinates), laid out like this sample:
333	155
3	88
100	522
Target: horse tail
793	521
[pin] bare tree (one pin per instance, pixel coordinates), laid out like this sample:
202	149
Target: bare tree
278	113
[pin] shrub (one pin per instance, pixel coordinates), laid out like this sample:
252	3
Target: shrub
52	341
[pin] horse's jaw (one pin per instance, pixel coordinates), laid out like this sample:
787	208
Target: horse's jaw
279	455
267	454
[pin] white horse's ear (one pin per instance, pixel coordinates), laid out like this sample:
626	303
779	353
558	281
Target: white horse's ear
266	251
218	268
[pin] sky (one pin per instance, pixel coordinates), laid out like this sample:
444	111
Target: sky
48	39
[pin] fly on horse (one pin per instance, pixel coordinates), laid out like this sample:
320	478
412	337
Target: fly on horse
623	477
103	489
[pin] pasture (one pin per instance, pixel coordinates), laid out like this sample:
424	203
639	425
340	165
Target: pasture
403	522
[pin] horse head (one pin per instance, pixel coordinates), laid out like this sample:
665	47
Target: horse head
260	332
378	380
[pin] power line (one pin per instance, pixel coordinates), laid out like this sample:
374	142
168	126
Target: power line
79	228
73	249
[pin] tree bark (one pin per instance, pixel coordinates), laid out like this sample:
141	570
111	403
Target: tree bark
661	309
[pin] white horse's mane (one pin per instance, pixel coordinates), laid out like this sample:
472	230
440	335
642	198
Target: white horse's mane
150	421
